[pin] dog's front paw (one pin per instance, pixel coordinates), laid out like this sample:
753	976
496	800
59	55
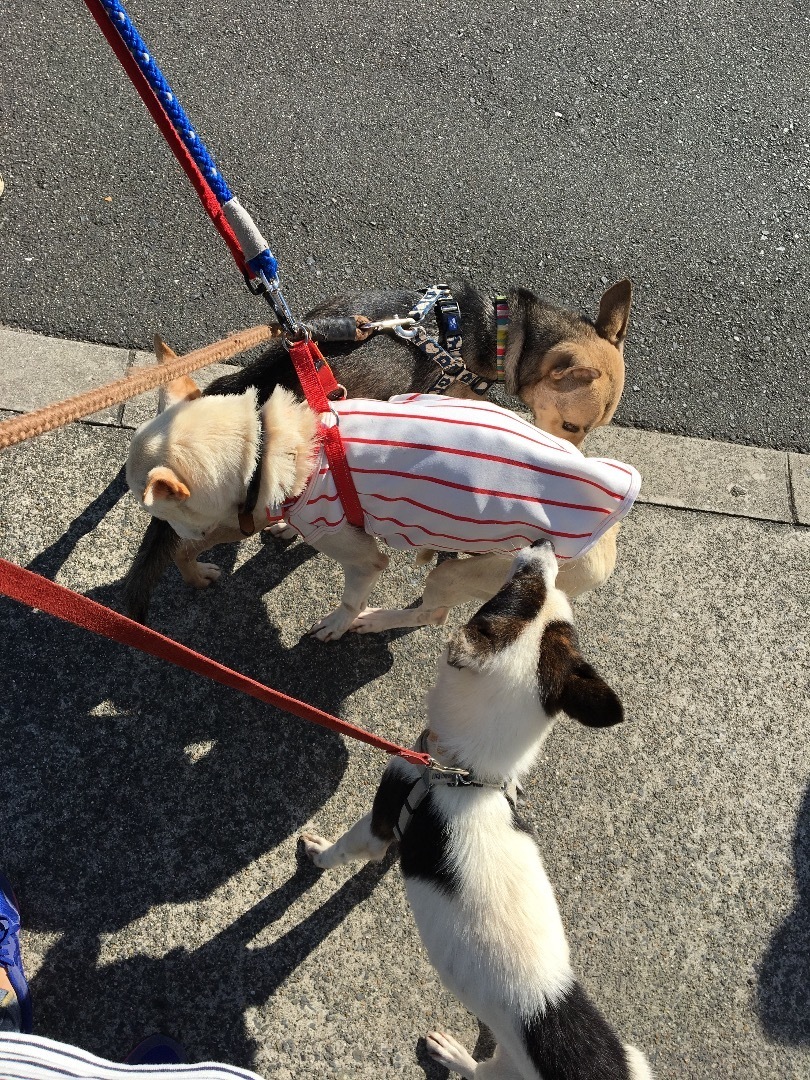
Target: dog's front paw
334	626
282	531
450	1053
201	574
315	848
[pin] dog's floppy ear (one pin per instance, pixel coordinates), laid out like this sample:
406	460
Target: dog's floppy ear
568	681
182	388
614	312
466	650
588	698
164	483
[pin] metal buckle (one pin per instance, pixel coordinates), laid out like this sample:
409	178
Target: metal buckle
293	330
396	322
417	334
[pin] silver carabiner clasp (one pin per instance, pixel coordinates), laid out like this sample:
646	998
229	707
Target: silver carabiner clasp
395	323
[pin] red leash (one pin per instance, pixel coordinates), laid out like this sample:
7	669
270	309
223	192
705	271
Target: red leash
38	592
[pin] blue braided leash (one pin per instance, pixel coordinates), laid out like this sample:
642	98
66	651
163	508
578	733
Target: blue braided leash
256	250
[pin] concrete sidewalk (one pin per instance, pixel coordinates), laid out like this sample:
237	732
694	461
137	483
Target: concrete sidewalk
152	817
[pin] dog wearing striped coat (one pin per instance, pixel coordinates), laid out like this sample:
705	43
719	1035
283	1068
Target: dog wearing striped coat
431	472
482	902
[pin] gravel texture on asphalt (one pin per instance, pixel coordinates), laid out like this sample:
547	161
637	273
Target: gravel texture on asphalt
558	148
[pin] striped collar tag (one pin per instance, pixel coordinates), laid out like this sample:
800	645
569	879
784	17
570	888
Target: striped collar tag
501	335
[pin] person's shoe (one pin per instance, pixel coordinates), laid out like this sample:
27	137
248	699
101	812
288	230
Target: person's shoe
10	958
157	1050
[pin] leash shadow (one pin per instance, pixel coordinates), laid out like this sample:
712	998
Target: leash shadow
783	987
139	785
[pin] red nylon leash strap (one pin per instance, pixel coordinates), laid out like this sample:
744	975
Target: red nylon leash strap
38	592
317	381
176	144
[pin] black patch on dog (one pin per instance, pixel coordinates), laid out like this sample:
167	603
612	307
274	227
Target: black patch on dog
573	1039
388	802
501	620
566	681
423	850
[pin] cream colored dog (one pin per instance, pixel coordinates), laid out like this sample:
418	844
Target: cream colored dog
192	464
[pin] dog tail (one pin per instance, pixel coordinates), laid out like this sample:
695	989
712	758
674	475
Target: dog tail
637	1064
152	558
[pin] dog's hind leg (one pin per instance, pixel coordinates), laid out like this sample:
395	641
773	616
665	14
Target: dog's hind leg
359	844
362	563
593	569
455	1057
454	581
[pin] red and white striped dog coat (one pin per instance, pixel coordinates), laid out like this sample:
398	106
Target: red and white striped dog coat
458	475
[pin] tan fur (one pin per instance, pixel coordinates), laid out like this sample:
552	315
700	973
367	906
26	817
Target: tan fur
581	381
163	483
289	431
207	448
182	388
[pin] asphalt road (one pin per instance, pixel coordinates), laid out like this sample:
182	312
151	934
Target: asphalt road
555	148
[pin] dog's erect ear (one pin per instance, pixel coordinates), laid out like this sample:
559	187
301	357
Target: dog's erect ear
163	352
568	682
572	370
614	313
163	483
182	388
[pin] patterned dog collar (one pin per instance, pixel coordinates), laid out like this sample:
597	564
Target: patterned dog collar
501	335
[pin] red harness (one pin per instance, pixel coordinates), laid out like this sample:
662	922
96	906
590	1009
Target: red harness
318	384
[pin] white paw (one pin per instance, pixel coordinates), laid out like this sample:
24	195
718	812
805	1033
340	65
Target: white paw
450	1053
282	531
315	848
375	620
201	574
332	627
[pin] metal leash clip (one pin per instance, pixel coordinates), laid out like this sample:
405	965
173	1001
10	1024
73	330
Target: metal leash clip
395	322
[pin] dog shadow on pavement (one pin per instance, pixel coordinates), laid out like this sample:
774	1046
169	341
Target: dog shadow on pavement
783	992
137	784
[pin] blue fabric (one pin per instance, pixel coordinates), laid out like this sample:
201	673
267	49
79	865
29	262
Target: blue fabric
10	957
265	263
195	146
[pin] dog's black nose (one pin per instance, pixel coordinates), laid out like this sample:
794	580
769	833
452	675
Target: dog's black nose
542	542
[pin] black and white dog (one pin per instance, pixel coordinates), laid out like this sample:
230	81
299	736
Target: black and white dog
482	902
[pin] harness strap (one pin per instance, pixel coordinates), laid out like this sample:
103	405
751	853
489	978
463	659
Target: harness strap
317	381
433	774
246	523
41	594
447	356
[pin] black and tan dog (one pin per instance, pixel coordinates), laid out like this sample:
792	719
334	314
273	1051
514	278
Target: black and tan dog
475	881
568	369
